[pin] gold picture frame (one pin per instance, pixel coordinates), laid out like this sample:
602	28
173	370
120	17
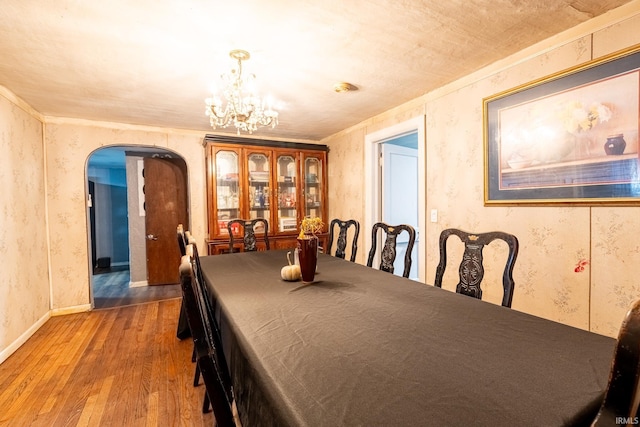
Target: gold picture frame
569	138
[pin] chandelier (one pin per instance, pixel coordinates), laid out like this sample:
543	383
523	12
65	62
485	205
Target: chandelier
243	109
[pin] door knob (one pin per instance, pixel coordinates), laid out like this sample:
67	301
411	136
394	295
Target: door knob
151	237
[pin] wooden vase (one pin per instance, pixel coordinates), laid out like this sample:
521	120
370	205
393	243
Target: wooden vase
308	255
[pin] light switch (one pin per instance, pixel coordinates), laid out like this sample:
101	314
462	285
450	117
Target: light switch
434	215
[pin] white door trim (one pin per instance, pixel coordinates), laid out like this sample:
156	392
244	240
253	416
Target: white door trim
373	182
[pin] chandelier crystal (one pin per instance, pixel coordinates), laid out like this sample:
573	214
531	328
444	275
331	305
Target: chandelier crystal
243	109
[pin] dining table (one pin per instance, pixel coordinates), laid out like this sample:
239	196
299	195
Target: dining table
362	347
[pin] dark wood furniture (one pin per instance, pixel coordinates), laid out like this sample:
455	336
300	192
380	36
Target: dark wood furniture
203	339
182	240
282	182
388	251
341	242
208	306
363	347
183	328
623	389
471	268
249	241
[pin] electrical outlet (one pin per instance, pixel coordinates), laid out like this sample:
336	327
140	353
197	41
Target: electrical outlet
434	215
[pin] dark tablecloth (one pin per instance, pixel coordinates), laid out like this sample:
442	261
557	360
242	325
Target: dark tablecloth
360	347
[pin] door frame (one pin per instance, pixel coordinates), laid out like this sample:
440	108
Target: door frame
373	181
137	148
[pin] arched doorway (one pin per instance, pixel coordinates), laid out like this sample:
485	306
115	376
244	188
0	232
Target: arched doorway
127	259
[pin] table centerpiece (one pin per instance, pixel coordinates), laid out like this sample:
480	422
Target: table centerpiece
308	247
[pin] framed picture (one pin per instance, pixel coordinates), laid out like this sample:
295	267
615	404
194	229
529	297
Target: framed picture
568	138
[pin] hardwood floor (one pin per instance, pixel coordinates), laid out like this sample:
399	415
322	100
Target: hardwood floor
117	367
111	289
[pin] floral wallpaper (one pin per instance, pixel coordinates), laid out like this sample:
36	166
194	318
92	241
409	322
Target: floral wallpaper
350	181
614	255
575	264
24	288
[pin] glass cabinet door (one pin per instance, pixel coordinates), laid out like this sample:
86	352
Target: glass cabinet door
227	190
258	197
313	190
286	175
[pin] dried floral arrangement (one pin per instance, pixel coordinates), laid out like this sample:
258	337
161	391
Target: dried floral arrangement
310	226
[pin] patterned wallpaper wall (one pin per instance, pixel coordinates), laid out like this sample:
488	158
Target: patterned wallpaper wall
24	287
68	147
553	240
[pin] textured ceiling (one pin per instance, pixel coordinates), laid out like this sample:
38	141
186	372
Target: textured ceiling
153	62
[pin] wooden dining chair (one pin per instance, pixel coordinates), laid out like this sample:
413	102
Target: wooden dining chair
249	239
623	388
215	381
187	244
209	305
190	244
388	251
341	242
182	240
471	268
182	331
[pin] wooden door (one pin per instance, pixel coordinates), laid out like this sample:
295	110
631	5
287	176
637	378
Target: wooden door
165	189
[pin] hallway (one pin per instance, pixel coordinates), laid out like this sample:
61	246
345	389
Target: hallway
111	289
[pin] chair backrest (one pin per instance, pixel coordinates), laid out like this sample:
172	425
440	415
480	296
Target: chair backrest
622	396
205	345
388	251
471	268
249	240
182	240
341	242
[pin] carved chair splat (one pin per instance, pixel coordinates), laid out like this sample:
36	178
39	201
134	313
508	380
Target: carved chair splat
388	251
471	268
249	239
341	243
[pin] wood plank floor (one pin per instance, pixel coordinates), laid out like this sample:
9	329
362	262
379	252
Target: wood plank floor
116	367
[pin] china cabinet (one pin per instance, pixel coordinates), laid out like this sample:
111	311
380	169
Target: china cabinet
281	182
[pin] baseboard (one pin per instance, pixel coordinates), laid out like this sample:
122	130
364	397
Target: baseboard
71	310
138	284
4	354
